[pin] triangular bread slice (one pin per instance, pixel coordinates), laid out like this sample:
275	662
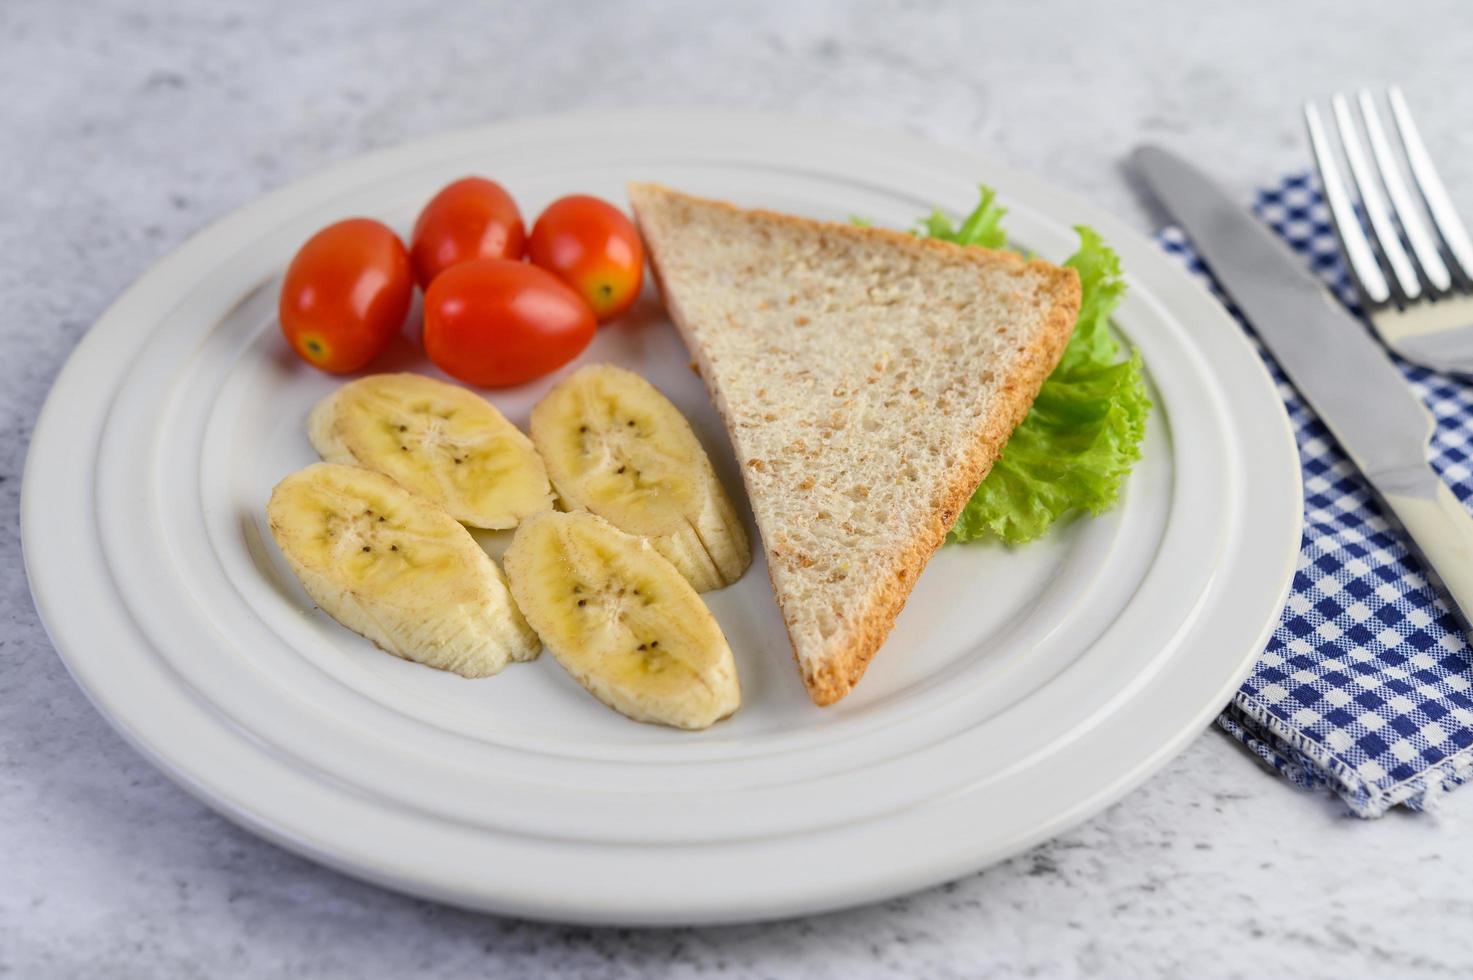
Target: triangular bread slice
868	379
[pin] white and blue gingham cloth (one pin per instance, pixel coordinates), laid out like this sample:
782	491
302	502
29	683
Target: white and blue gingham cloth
1366	687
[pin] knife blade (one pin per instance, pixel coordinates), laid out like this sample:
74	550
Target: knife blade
1345	376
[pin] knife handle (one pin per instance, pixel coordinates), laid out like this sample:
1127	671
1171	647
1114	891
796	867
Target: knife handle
1442	531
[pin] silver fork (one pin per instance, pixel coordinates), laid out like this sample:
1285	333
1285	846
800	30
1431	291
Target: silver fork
1420	300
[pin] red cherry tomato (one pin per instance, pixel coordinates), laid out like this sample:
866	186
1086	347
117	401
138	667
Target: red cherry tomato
473	218
345	294
496	322
591	246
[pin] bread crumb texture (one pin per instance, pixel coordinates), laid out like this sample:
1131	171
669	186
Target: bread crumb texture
868	380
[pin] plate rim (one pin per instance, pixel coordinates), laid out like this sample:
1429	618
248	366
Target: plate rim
1131	244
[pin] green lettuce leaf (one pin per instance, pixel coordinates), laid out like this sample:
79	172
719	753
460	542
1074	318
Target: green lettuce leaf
1079	441
982	227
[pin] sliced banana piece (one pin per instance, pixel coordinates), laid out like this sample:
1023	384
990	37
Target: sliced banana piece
397	569
437	439
622	620
617	447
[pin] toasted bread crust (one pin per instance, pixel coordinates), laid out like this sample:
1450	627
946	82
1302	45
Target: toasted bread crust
1026	372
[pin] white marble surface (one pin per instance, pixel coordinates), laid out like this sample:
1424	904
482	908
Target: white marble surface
126	126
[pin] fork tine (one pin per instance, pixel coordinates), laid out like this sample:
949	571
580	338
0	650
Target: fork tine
1382	227
1424	175
1407	211
1363	265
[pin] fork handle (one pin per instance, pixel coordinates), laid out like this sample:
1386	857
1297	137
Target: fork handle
1442	531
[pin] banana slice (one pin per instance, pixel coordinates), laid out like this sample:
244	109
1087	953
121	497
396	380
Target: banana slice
617	447
397	569
622	620
438	440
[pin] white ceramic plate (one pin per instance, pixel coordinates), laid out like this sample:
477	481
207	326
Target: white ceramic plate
1020	692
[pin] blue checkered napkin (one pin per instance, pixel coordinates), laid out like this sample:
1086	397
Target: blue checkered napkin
1366	688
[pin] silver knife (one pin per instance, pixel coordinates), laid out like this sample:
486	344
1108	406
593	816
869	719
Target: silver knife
1344	375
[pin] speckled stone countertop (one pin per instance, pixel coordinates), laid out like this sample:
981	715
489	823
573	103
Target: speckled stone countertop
126	126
